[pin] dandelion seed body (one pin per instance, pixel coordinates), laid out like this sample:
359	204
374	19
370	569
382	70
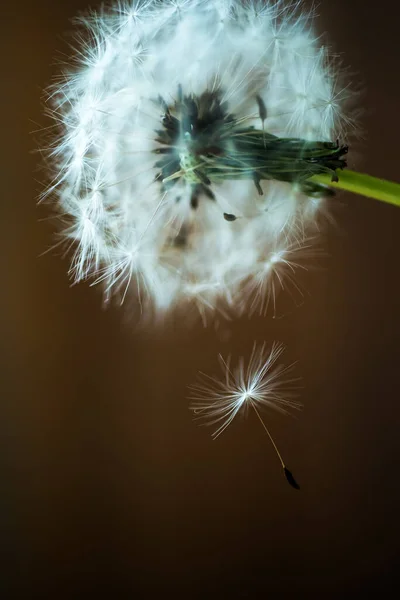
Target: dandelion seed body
260	384
193	127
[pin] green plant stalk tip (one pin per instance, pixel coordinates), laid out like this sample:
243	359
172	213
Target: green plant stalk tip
359	183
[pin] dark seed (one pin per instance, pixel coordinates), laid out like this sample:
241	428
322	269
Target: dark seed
203	178
229	217
291	480
262	109
163	151
194	198
207	192
256	180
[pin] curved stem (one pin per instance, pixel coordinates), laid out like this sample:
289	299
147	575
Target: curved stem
269	435
366	185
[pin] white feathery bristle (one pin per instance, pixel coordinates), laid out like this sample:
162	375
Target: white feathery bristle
262	383
157	243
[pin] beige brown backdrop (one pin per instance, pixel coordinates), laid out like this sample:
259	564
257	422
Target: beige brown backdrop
107	484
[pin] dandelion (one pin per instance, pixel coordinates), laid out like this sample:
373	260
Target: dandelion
196	137
260	384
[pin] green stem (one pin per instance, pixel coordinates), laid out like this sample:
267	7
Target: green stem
359	183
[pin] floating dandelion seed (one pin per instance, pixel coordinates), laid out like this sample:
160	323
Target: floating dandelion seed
261	384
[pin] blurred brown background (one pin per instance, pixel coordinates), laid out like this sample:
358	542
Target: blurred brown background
107	484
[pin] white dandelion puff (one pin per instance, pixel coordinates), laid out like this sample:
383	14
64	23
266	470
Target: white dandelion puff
275	271
262	384
193	127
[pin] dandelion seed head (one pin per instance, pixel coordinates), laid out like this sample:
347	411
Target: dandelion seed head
152	161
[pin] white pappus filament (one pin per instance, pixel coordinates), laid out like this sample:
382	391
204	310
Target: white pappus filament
262	383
